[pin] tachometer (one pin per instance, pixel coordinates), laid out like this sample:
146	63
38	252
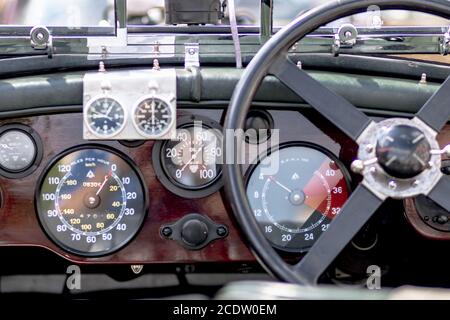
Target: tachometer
295	193
91	201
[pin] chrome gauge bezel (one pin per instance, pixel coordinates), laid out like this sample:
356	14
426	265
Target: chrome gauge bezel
168	182
38	155
346	173
50	233
89	106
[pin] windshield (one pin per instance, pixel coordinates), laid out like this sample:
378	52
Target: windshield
70	13
154	12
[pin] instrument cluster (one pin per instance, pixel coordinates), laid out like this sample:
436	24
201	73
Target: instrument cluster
95	198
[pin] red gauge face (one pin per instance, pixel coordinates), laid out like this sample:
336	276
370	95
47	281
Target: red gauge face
295	193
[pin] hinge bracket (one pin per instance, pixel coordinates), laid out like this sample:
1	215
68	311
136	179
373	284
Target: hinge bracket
345	37
41	39
192	55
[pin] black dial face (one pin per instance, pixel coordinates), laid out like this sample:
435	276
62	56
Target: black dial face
295	193
91	202
17	151
403	151
193	161
105	117
153	117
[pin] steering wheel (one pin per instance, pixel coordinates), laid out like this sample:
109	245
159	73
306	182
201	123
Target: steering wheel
398	158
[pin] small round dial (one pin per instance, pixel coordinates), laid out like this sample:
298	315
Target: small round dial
153	117
295	193
403	151
193	160
105	117
17	151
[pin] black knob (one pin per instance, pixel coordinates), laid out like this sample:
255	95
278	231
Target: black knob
403	151
194	233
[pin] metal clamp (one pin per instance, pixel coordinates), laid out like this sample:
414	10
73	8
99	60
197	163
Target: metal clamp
444	43
41	39
344	38
192	55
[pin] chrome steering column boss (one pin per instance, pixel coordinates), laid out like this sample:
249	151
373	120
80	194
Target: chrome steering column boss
398	158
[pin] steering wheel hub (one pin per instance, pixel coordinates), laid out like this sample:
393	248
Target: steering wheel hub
400	158
403	152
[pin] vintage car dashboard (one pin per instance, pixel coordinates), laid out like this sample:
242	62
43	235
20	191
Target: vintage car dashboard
105	201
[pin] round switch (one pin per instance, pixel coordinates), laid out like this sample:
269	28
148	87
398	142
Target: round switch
194	233
403	151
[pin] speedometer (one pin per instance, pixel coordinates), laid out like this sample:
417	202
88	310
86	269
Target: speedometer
295	193
91	201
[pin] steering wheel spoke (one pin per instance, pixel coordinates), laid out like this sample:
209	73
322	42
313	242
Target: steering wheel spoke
436	112
355	214
332	106
441	193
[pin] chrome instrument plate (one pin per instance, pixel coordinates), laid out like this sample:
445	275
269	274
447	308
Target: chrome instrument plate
130	89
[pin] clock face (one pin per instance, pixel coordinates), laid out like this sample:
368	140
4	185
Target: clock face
105	117
153	117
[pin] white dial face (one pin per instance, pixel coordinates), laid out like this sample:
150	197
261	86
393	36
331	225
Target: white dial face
153	117
105	117
17	151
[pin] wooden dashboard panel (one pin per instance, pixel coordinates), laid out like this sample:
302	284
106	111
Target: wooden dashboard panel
19	224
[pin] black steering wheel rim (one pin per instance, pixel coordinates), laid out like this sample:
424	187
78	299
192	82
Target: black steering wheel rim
246	89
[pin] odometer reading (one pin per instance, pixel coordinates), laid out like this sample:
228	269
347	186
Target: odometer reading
296	204
91	202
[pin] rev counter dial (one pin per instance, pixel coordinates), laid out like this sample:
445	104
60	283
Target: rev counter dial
295	193
91	201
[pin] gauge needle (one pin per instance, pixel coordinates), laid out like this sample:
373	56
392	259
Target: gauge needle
193	158
281	185
103	184
101	115
109	110
153	113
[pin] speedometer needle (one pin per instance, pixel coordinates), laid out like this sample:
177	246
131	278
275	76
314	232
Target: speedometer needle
281	185
103	184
